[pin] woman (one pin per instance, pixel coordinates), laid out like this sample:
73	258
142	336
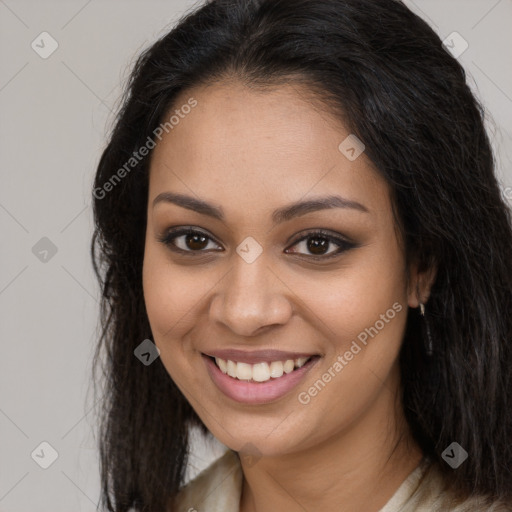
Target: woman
304	251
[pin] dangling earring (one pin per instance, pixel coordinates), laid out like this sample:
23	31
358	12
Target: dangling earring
426	332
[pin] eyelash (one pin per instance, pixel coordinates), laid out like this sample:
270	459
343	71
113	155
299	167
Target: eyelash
343	245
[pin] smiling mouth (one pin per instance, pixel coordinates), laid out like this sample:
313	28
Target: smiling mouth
260	372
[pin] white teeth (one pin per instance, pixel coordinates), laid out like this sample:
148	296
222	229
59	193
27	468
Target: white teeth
288	366
260	372
243	371
301	361
231	369
222	365
276	369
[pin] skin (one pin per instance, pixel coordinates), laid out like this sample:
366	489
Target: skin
249	152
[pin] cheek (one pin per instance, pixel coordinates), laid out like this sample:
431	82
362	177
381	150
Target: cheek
363	314
352	299
171	294
171	298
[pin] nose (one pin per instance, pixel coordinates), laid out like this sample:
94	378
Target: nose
251	298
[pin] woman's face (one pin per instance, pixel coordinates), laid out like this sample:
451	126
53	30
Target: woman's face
252	281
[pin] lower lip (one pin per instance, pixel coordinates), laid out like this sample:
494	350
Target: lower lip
257	392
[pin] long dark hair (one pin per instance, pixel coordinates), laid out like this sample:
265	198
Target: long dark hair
384	71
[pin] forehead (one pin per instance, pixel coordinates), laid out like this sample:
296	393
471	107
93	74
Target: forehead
259	148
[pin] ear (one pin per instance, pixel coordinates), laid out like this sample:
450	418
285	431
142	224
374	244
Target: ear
420	284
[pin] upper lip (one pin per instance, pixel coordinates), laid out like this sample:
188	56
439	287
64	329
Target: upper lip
256	356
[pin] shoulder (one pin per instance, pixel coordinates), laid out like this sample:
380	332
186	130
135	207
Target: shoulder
216	489
432	495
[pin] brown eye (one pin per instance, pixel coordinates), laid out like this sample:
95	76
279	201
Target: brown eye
187	240
196	241
318	244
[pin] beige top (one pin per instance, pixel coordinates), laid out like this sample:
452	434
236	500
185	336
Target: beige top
218	488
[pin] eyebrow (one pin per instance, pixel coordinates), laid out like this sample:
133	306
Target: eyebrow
278	216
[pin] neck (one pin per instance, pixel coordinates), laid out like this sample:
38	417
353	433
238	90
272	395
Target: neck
357	468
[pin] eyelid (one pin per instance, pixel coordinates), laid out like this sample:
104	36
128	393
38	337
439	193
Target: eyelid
302	235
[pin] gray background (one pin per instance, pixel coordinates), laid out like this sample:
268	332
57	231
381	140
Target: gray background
55	114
